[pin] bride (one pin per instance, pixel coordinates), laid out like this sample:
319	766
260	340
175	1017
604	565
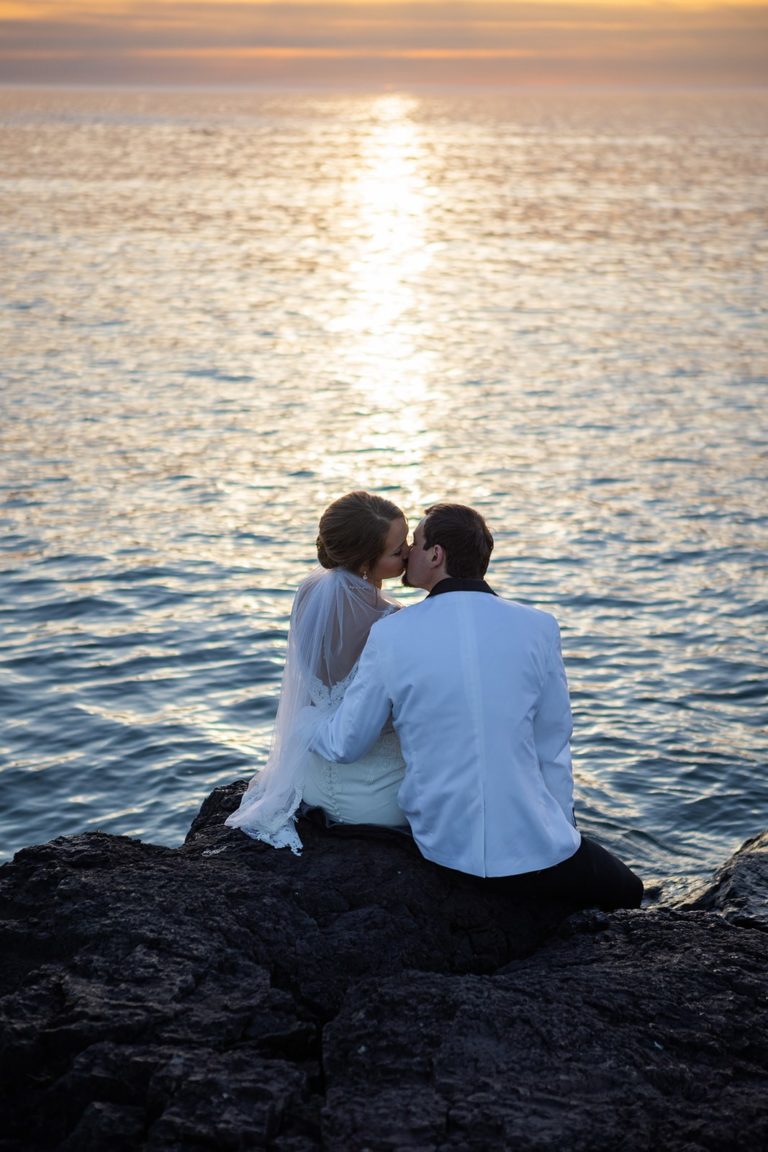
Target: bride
361	542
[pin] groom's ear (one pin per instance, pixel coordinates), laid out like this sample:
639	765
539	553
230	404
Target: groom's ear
436	555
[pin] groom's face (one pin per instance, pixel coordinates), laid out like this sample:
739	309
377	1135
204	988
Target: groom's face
418	573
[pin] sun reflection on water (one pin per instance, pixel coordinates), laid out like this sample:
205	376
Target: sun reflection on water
381	346
431	297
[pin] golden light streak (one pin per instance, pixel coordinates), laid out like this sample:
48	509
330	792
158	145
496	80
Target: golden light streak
388	203
289	53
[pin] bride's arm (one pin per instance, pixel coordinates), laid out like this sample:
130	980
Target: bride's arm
359	719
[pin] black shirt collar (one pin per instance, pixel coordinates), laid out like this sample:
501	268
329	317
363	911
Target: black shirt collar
460	584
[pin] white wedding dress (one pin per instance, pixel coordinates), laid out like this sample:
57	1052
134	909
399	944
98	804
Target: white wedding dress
332	614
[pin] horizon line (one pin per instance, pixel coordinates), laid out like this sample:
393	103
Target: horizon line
383	85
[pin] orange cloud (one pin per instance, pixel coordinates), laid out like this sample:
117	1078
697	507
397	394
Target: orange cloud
339	41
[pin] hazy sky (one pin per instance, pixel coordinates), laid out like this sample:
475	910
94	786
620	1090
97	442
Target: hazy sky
348	42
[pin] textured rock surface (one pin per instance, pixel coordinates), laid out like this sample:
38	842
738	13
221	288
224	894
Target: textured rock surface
227	996
636	1031
738	890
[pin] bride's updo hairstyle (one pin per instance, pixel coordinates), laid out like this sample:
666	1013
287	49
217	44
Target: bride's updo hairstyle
353	531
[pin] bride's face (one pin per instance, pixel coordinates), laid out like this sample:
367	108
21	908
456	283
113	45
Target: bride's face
393	559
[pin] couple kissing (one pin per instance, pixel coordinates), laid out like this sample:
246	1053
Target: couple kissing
450	719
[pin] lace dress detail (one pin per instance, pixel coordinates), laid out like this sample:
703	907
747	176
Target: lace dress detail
329	697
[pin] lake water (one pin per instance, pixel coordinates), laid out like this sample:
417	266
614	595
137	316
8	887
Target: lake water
219	311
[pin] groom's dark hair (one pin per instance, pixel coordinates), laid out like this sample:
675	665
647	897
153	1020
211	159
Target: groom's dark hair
464	536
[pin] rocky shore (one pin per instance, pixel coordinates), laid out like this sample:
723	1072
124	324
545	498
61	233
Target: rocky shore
223	996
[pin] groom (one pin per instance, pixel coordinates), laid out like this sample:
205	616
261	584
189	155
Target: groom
476	688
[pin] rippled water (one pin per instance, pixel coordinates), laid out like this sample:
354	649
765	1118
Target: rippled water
220	311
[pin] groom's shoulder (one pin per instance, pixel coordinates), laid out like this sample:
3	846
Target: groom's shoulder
530	611
402	618
434	607
532	619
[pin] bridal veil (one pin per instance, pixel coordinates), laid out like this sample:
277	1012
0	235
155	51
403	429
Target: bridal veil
331	617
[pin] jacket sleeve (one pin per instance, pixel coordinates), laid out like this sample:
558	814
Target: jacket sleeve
357	723
552	728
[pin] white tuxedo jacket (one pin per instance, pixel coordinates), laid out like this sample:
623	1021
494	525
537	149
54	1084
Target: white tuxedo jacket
476	688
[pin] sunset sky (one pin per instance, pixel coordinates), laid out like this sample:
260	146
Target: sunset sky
346	42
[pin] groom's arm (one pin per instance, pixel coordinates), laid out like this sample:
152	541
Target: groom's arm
552	729
357	723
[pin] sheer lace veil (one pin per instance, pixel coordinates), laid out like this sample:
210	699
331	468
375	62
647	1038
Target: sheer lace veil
332	614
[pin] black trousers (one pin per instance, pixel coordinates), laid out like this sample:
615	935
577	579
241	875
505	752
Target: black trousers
591	878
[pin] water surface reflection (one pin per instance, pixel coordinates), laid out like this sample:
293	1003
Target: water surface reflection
222	312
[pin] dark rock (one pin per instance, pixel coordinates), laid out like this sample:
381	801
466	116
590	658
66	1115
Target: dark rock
648	1034
227	996
739	890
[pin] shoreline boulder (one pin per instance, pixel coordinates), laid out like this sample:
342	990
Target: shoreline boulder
226	995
